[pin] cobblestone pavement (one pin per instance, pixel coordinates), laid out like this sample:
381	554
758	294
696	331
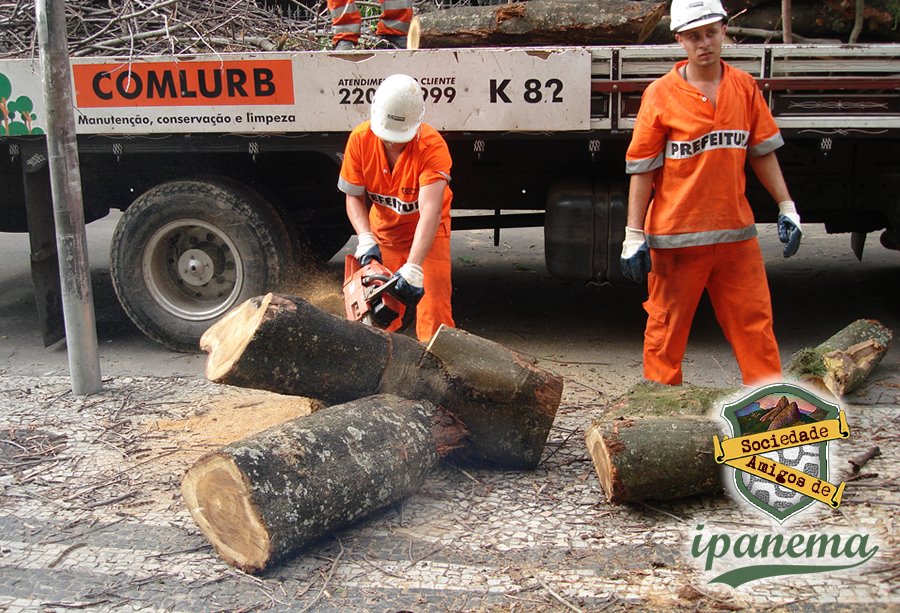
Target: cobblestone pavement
92	518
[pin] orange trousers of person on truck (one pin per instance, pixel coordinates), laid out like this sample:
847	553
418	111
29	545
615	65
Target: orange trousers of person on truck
392	28
690	227
396	175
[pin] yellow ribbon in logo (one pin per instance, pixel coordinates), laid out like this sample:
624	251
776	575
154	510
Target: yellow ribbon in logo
743	452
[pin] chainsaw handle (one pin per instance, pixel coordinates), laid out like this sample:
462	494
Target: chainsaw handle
388	285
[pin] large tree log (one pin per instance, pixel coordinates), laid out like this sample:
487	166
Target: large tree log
655	442
284	344
259	499
659	458
829	19
535	23
843	361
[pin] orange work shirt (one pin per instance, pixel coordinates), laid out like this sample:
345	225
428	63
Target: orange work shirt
698	151
394	194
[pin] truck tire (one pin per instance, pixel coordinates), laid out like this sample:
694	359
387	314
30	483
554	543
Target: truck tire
187	251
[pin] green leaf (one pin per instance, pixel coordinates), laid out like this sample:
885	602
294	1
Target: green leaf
5	86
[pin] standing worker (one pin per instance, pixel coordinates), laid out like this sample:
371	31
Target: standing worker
689	225
396	175
392	28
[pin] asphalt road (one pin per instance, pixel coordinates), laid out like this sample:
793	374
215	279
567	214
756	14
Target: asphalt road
506	294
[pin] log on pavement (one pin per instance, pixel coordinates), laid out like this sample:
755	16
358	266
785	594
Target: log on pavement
283	344
658	458
259	499
843	361
535	23
655	442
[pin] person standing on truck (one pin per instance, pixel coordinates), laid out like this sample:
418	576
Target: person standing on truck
689	225
392	28
396	175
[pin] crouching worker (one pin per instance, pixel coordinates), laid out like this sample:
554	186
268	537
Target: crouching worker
396	174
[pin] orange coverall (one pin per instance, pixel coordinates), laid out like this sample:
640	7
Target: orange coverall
394	212
699	225
396	16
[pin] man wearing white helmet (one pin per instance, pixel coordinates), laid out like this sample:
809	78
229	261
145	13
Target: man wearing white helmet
690	227
396	175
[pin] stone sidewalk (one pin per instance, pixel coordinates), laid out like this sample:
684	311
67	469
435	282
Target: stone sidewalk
92	519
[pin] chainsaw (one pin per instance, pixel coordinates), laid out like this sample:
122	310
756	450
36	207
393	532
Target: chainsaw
370	295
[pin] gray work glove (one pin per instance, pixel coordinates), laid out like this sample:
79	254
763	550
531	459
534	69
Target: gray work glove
789	230
635	260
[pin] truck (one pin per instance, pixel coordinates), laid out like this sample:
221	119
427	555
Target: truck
225	165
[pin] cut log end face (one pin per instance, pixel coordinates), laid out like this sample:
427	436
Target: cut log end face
218	497
602	450
226	340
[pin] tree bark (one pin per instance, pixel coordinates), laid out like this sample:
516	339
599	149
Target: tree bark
259	499
829	19
284	344
535	23
843	361
655	442
507	403
654	458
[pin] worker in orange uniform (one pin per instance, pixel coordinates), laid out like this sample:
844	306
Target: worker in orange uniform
689	224
392	28
396	175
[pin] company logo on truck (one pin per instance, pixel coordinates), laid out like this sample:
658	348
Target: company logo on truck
16	114
240	82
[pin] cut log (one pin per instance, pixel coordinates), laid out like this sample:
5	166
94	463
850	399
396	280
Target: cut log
283	344
261	498
650	399
655	443
843	361
536	23
814	18
654	458
506	402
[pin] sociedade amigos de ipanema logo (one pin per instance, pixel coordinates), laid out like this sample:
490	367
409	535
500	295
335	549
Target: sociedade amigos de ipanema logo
778	458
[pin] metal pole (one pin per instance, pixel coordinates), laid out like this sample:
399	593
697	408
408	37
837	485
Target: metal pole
68	211
787	21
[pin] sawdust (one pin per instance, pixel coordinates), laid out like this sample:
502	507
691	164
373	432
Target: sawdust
320	288
238	414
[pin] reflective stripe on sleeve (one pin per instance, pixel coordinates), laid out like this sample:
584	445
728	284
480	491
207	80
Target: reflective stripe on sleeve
350	189
634	167
767	146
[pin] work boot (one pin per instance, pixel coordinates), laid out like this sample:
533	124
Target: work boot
392	42
344	45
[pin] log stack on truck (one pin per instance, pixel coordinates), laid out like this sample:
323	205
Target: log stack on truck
225	165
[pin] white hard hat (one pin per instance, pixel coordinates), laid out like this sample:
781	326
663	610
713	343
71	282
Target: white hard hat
688	14
397	109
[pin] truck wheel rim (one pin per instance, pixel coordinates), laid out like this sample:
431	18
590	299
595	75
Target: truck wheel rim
192	269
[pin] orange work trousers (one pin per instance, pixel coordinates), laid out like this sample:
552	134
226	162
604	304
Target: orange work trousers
346	22
434	309
734	276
